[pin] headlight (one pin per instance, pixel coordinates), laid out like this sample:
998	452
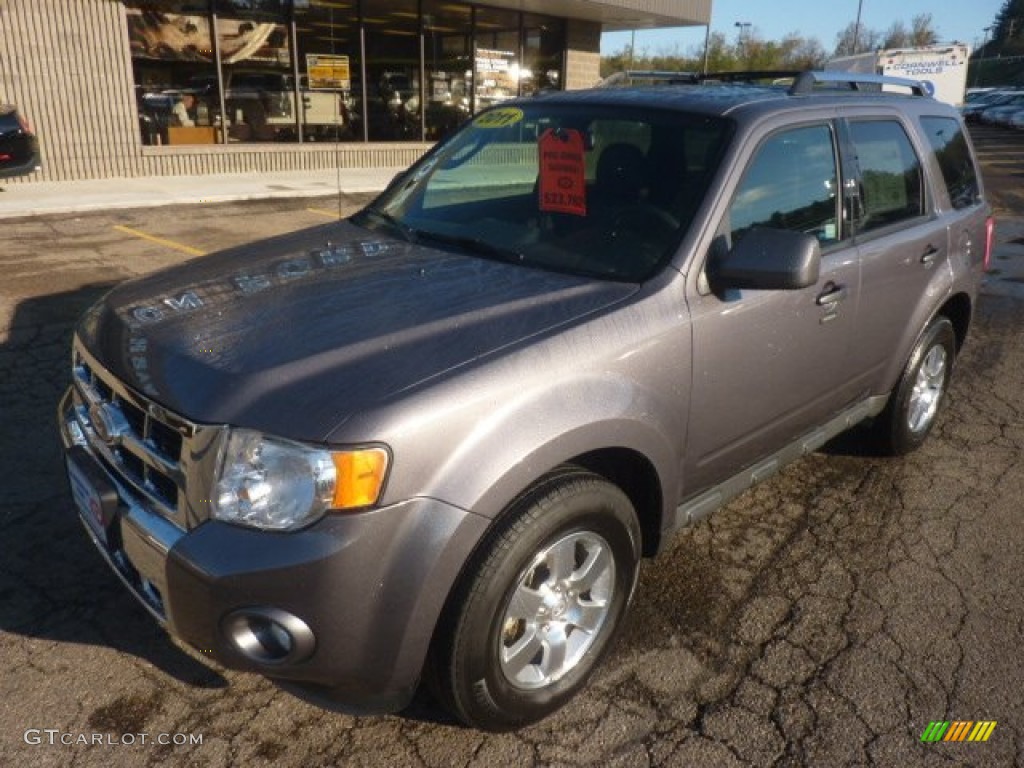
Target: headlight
279	485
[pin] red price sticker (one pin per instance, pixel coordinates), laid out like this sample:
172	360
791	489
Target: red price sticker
563	183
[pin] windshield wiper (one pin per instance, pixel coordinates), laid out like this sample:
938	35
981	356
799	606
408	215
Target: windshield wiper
472	244
407	232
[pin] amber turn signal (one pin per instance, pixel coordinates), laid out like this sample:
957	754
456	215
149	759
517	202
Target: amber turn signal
360	477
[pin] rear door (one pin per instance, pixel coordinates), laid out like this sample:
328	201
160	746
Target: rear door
903	242
964	210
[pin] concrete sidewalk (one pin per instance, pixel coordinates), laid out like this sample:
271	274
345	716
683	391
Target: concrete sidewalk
31	199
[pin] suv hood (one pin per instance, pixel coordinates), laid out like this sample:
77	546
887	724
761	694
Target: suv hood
293	334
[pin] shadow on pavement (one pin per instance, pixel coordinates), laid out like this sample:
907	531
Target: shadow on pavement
53	584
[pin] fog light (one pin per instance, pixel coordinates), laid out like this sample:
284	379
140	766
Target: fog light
269	636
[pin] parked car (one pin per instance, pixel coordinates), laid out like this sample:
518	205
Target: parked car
19	147
436	439
1016	120
999	113
972	110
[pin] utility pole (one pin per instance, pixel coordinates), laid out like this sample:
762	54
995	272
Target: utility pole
981	57
741	46
707	41
856	27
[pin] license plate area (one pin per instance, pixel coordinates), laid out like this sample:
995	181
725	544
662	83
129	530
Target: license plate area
94	495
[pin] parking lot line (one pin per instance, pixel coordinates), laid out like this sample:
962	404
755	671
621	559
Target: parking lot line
324	212
160	241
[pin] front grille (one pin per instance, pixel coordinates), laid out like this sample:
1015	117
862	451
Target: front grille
139	442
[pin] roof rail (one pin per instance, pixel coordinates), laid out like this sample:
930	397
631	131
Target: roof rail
747	76
806	81
637	76
661	77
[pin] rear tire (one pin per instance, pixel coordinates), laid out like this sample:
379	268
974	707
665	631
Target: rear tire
910	414
540	605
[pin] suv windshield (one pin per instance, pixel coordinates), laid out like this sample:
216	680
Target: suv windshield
572	188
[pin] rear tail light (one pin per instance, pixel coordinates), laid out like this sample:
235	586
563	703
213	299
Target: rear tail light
990	237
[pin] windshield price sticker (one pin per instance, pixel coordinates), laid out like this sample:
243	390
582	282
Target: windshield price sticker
499	118
563	185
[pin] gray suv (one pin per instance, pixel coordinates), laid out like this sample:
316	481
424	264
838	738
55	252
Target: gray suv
432	442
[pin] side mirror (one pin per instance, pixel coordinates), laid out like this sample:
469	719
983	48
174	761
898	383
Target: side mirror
769	260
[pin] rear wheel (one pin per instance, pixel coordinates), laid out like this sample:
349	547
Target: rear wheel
541	606
912	409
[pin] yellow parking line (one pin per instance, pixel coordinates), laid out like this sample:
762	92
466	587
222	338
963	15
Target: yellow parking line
161	241
324	212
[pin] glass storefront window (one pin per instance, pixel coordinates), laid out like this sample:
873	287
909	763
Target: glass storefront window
256	67
392	70
172	60
497	62
447	41
330	70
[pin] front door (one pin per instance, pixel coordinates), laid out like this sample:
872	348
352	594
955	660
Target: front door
769	365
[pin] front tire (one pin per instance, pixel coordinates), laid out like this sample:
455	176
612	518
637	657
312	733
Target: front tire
541	604
910	414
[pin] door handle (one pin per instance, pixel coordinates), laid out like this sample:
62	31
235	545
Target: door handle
831	295
929	255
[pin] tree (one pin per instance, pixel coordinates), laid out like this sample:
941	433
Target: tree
799	52
1009	21
721	57
1008	33
896	36
922	31
867	40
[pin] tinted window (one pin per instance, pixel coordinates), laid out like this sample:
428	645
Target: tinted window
891	186
790	184
589	189
958	171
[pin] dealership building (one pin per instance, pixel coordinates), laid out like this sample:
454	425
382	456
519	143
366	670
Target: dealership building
123	88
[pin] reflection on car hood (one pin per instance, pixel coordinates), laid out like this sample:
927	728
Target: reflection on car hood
293	334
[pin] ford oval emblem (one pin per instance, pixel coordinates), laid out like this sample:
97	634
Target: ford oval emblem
107	422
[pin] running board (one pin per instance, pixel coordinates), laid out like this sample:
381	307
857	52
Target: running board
701	506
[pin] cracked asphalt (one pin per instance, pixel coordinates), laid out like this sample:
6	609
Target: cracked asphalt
825	618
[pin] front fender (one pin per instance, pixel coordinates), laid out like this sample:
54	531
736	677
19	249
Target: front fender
515	444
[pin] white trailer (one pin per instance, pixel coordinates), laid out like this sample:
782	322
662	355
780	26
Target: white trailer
942	67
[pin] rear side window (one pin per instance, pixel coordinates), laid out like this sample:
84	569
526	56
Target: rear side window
958	171
890	172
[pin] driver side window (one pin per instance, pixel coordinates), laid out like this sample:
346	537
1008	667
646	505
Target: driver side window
791	183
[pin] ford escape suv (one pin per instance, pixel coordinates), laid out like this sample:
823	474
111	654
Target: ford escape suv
432	442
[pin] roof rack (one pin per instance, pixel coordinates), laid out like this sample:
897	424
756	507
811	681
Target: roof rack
747	76
649	76
806	81
661	77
